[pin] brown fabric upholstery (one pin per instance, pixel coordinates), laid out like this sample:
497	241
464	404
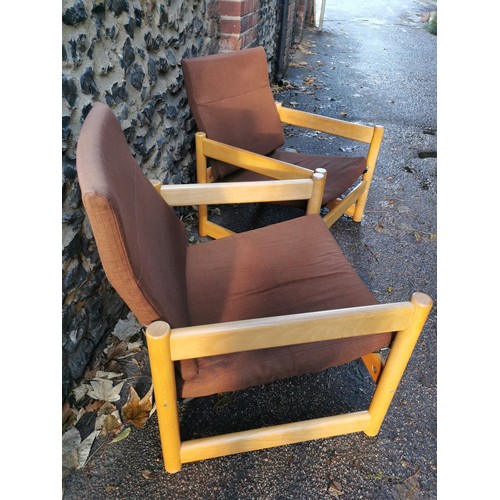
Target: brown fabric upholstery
141	242
232	102
270	272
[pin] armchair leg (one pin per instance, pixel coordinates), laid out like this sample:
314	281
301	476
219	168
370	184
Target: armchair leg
378	133
162	371
360	209
401	350
201	177
202	220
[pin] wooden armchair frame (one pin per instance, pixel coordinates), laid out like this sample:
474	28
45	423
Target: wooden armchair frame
353	204
167	345
242	112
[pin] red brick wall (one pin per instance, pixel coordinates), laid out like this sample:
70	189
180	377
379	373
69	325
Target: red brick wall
238	24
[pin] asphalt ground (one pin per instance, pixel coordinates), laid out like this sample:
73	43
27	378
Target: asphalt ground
376	66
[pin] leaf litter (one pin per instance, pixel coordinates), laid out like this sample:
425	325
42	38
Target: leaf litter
98	412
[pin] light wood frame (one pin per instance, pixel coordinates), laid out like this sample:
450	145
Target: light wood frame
352	205
167	345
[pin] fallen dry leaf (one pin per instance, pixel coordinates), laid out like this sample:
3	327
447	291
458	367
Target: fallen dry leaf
135	345
108	419
305	50
93	406
85	446
106	409
68	416
80	391
335	489
115	351
300	64
104	390
107	375
111	424
75	452
136	411
410	488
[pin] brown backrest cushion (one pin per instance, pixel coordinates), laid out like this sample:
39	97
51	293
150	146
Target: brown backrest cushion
141	242
232	102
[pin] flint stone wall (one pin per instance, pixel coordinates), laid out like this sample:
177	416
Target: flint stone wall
126	53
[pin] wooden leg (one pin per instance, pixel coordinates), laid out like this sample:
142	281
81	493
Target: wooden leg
201	178
401	350
202	220
378	133
163	373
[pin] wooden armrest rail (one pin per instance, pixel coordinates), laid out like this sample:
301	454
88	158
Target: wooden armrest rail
310	189
341	128
236	192
260	164
224	338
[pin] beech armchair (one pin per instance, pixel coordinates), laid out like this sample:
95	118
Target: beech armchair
240	311
232	102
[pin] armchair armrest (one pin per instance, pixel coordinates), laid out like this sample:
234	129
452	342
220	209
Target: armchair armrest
276	169
310	189
224	338
333	126
260	333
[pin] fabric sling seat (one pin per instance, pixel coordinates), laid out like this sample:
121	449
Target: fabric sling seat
269	272
235	312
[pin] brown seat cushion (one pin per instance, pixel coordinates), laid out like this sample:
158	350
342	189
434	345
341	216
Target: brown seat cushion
342	172
232	102
270	272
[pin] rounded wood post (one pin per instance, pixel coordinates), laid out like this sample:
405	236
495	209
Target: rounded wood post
319	180
163	374
401	350
371	160
201	178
